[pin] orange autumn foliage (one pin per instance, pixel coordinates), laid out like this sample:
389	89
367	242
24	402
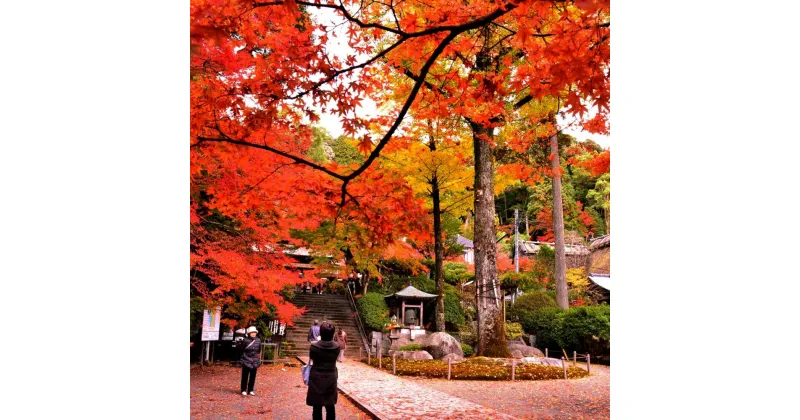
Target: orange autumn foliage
262	72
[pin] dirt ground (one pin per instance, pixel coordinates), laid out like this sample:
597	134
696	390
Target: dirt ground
280	394
587	398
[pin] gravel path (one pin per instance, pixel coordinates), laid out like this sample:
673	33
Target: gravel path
280	394
587	398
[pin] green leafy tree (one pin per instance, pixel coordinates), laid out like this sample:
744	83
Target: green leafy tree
344	152
320	142
373	310
600	197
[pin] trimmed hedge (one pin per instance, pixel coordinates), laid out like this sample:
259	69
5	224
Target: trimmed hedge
411	347
477	369
536	311
543	323
532	301
374	311
585	328
580	328
455	273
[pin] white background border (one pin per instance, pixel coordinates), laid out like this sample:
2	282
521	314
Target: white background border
95	191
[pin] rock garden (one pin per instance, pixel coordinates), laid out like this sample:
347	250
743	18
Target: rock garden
438	353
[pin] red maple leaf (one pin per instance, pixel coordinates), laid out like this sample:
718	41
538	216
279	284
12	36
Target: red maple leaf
365	145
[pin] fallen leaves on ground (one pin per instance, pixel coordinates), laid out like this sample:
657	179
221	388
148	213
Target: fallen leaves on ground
215	394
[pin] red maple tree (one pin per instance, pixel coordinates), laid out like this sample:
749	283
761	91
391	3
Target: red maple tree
261	73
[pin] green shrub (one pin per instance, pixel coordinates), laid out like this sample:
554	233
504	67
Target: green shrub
544	323
478	368
536	312
456	273
411	347
468	352
389	284
585	329
513	330
374	311
532	301
580	328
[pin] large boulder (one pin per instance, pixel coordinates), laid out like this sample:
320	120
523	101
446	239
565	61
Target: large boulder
440	344
549	361
527	351
453	357
414	355
400	342
516	354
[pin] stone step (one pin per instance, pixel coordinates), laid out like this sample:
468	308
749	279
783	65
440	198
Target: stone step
336	323
333	308
302	334
311	314
304	331
344	320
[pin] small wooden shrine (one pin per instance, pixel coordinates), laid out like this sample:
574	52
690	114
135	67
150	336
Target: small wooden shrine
407	306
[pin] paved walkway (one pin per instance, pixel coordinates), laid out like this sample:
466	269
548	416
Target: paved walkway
391	397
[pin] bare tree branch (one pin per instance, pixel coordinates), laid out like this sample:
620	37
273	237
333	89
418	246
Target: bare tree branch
297	159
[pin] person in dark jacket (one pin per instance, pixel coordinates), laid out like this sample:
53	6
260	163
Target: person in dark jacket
251	351
324	375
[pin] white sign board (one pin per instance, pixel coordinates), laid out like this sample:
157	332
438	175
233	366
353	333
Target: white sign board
227	336
211	325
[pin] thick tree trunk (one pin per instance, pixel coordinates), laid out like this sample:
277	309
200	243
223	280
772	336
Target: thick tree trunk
438	247
558	227
491	329
364	283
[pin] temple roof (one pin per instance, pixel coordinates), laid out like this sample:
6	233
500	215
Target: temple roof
602	280
412	292
464	241
532	248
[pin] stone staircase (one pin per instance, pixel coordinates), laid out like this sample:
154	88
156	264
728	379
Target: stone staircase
326	307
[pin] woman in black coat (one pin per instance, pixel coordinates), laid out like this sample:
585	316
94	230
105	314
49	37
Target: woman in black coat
250	361
323	376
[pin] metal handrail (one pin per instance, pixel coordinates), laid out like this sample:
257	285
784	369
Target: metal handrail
361	329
